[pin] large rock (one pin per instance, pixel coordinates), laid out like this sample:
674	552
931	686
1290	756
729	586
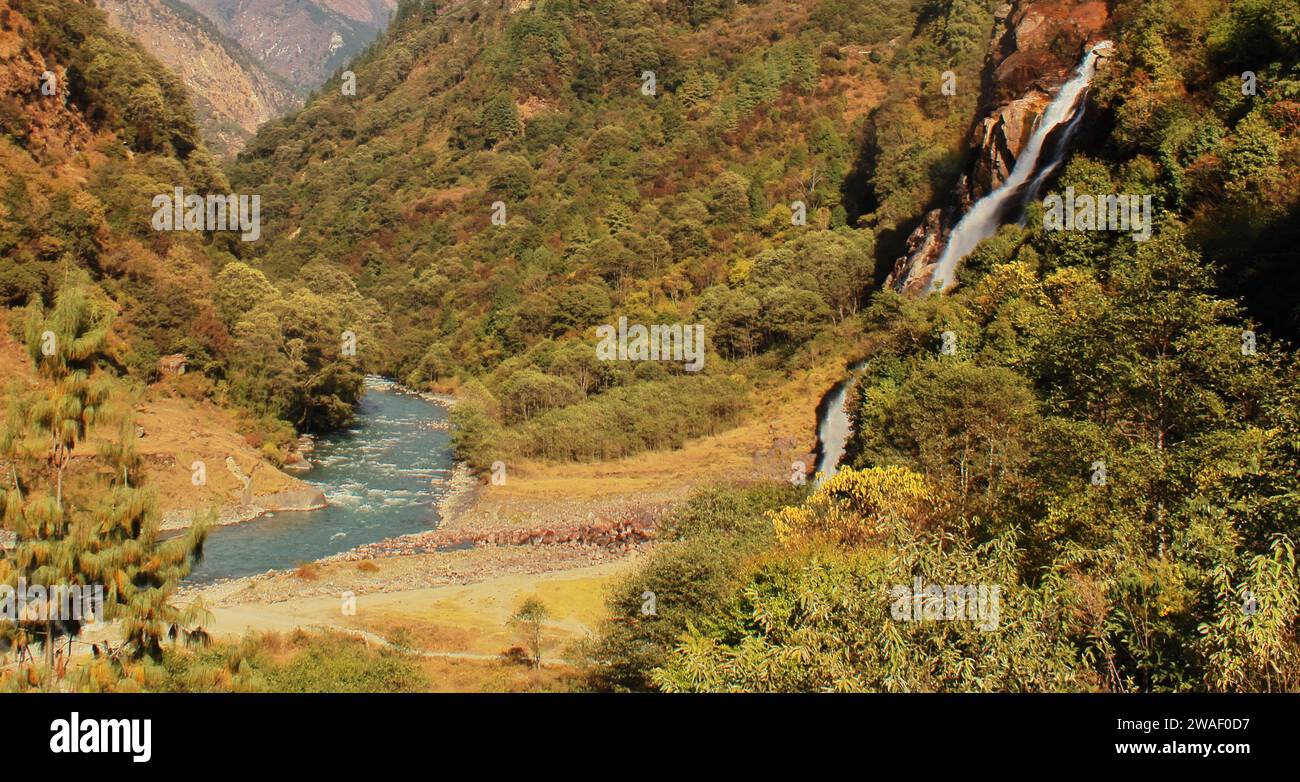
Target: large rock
309	498
911	274
998	140
1040	44
1041	47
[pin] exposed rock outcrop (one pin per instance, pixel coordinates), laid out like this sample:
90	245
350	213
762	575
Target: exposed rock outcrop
245	496
307	498
232	92
1040	45
304	41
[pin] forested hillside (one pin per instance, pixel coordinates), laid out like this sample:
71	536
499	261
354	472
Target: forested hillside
90	128
85	150
645	160
1094	424
1095	432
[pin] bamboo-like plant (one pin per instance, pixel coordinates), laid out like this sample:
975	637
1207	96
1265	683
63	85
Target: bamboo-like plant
96	531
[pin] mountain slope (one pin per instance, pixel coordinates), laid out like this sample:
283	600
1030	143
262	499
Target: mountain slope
1094	436
370	12
83	166
232	93
303	41
669	203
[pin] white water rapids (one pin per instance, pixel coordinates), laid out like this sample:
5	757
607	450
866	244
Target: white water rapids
986	215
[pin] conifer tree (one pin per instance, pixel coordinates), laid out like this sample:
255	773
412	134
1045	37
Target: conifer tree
91	531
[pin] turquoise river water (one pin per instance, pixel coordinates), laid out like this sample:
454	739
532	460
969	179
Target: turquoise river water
383	477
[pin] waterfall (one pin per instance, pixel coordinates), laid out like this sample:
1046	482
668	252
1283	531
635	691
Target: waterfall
1056	156
986	215
833	427
981	222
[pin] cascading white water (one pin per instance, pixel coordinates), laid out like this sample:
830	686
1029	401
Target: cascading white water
833	429
978	224
1057	153
986	215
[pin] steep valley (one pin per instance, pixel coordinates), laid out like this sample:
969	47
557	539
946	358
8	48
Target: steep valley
302	42
233	93
542	323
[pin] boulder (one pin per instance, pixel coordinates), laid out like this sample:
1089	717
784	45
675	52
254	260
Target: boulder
1040	45
309	498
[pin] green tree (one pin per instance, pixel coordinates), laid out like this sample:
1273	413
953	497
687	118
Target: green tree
238	289
500	119
582	307
529	621
528	393
730	204
106	534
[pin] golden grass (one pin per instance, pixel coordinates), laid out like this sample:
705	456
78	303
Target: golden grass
451	675
786	411
475	618
177	433
445	674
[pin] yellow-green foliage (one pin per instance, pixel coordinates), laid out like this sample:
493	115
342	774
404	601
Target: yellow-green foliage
854	507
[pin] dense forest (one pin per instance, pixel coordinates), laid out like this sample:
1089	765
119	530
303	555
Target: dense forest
1110	440
83	165
647	160
1075	352
1105	428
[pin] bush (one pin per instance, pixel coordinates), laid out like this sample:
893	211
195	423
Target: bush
338	663
708	543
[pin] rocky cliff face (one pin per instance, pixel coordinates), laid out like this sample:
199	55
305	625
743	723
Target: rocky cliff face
232	92
1038	45
371	12
303	41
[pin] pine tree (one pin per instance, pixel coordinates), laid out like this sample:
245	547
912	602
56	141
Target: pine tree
89	532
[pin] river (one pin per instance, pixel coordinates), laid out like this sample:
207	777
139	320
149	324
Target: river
383	477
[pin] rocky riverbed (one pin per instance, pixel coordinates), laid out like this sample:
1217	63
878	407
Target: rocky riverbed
398	573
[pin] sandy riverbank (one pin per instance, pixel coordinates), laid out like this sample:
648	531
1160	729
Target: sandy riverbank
467	622
539	502
456	604
292	501
399	573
